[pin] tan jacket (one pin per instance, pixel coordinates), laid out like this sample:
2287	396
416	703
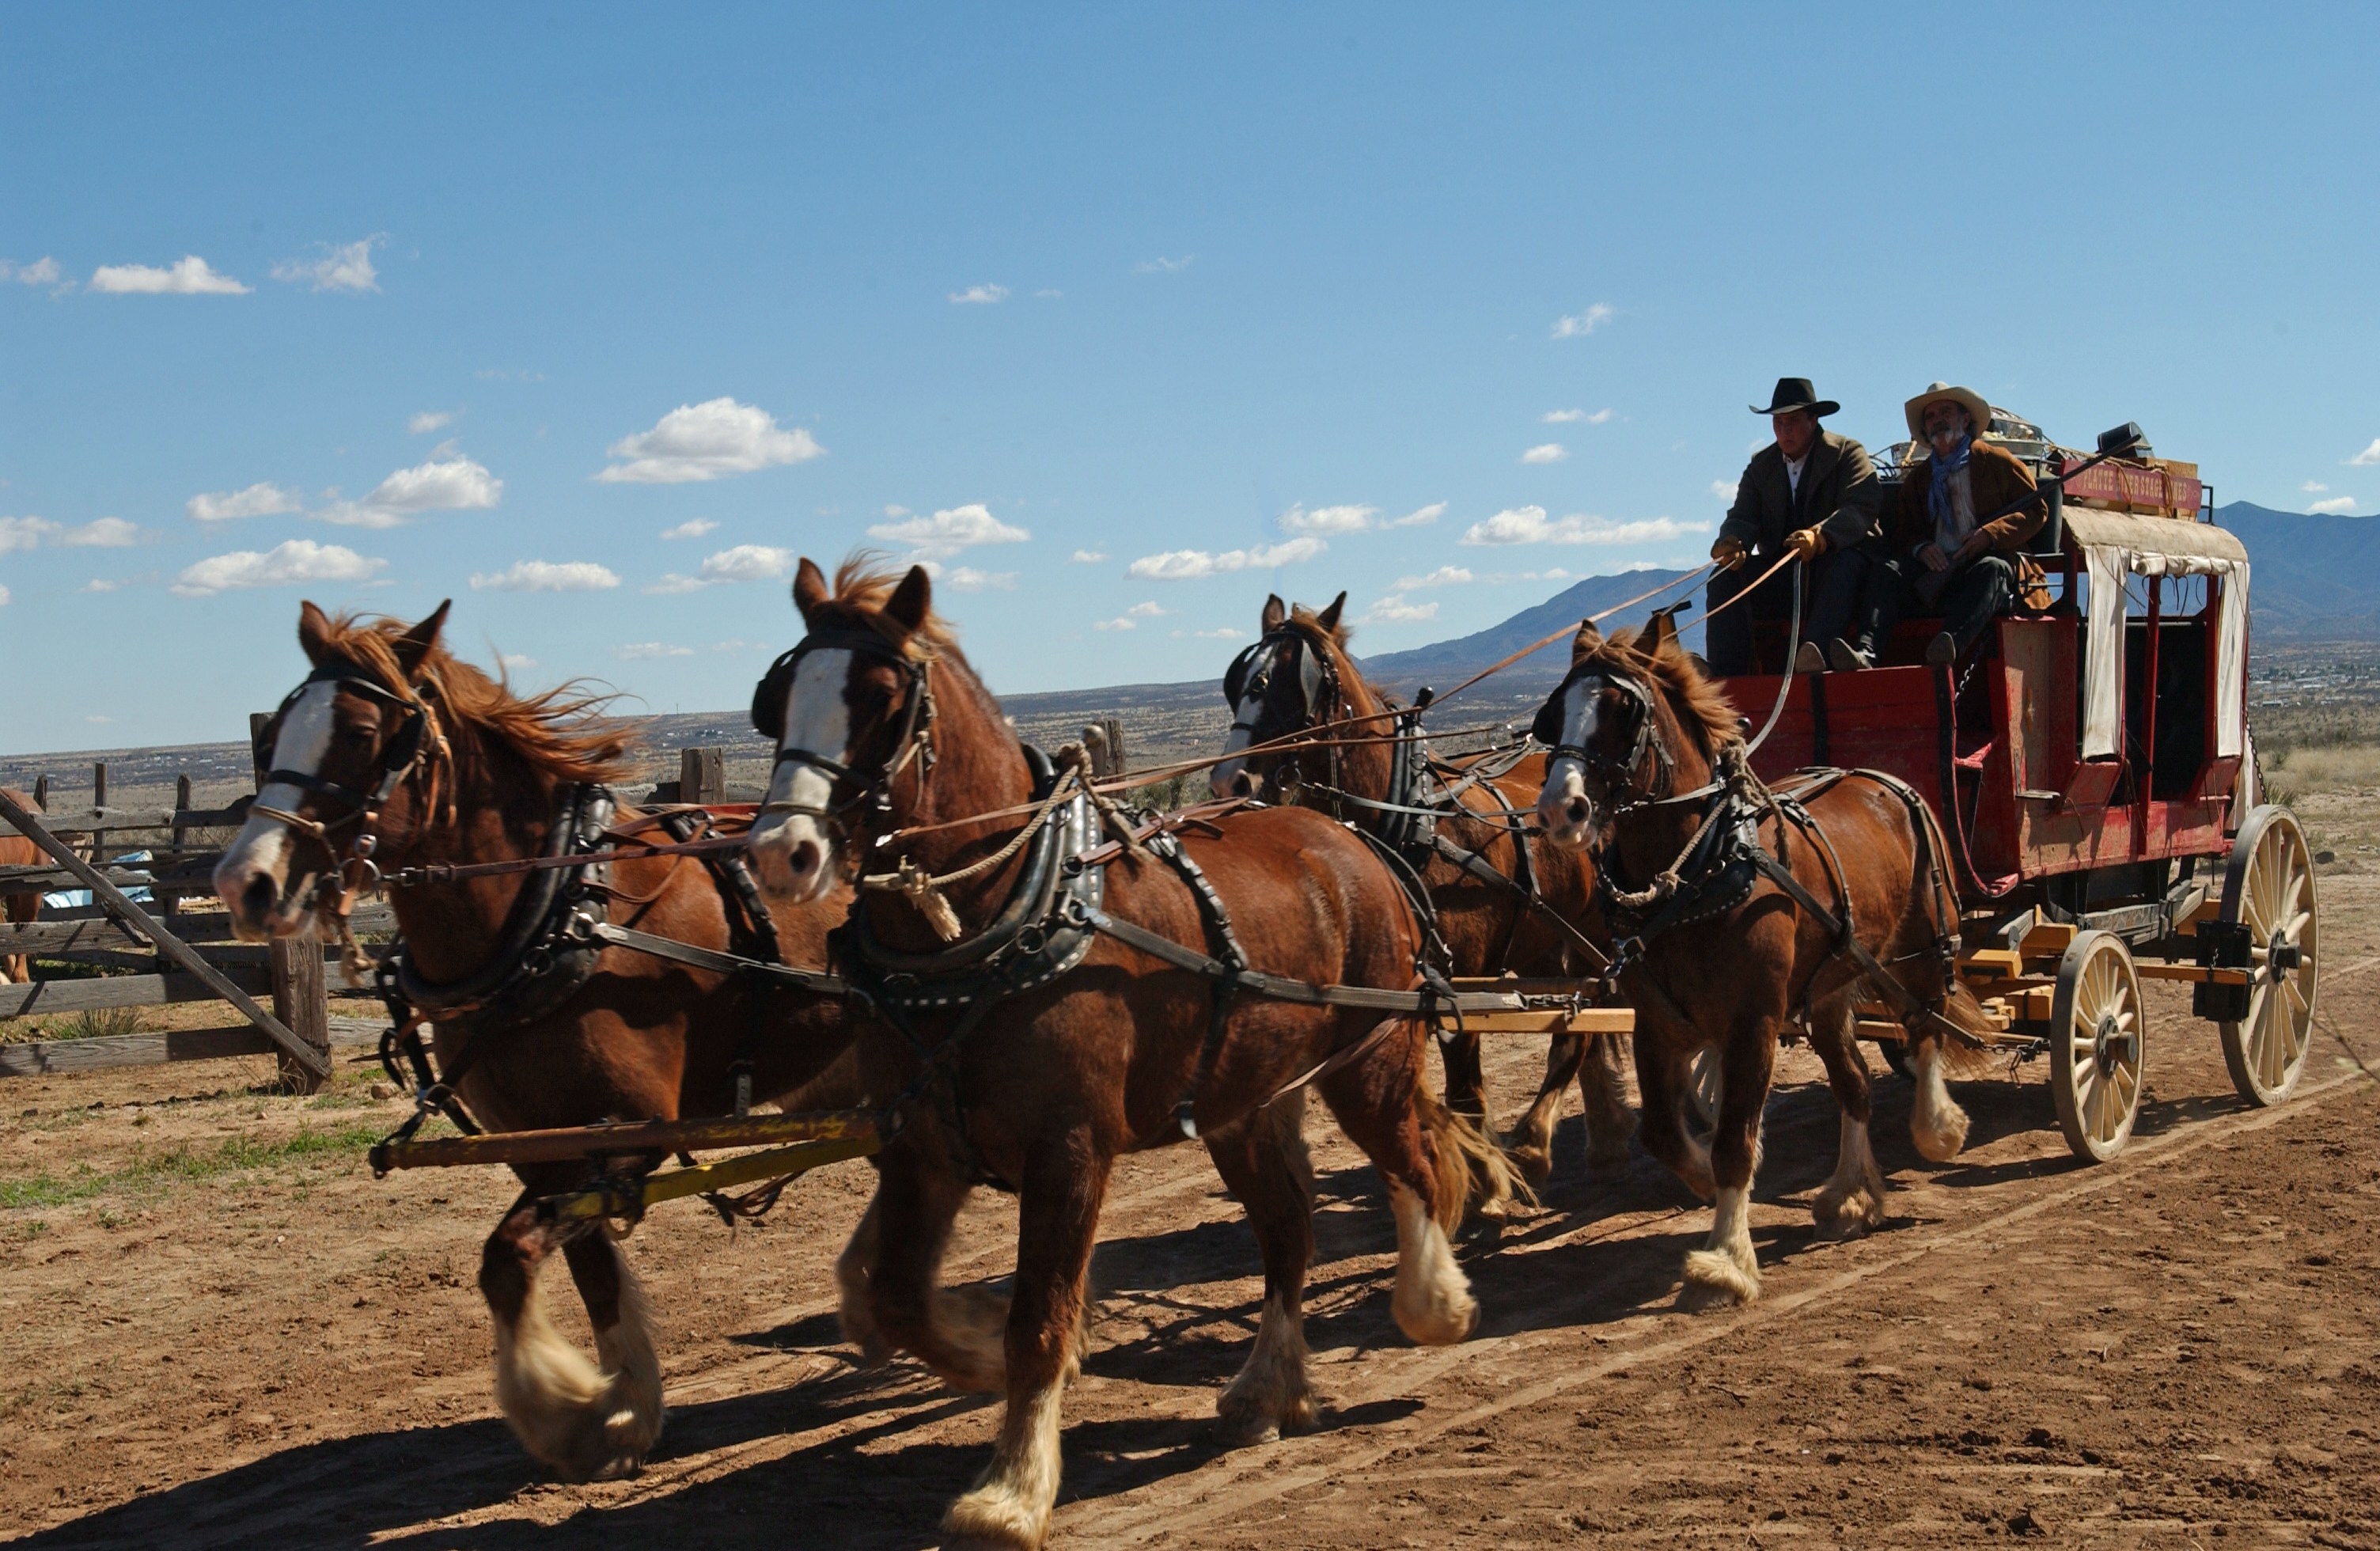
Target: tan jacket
1839	494
1996	476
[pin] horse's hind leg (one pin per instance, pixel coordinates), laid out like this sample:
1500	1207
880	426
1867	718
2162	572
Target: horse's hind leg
1609	1122
1851	1202
585	1422
1467	1080
1937	1123
1058	1217
1427	1155
1264	1163
1725	1271
1531	1141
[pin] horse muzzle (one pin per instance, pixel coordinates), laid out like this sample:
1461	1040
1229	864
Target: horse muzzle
793	858
254	882
1565	811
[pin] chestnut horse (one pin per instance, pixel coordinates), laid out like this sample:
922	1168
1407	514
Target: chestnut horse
391	734
15	850
889	749
1503	902
1721	956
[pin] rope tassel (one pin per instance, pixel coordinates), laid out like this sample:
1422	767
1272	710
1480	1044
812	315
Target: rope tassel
918	887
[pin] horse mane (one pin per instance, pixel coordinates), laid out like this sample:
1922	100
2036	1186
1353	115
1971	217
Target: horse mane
1307	622
1339	633
864	584
1698	699
560	731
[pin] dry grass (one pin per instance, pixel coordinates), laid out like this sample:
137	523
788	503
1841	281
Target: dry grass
2293	774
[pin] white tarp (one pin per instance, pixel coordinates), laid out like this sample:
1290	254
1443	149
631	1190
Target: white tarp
2117	544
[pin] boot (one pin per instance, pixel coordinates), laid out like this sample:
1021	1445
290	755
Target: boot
1809	660
1942	650
1849	658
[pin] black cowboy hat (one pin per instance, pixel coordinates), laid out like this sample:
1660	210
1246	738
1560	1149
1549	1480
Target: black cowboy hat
1795	393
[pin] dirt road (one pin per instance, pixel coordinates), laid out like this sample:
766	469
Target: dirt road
222	1332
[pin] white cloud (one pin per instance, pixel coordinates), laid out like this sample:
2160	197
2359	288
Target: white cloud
1185	565
1120	623
2337	506
449	485
707	441
3	596
105	533
546	576
2368	456
672	584
1150	609
966	578
99	719
1394	610
1330	520
2313	487
1445	575
41	271
1724	489
100	584
190	277
693	528
1546	452
1050	293
1088	557
264	500
291	562
1576	417
515	662
1164	266
894	510
1578	325
1421	517
500	374
1221	632
346	267
428	421
1529	525
747	562
643	651
979	295
23	533
947	532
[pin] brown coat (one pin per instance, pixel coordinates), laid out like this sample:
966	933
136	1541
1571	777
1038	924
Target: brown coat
1995	478
1842	497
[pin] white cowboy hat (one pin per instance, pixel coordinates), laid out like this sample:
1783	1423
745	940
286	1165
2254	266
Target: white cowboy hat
1977	410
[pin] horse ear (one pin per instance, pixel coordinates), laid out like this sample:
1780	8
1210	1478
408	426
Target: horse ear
1329	618
809	587
412	648
911	601
1275	611
313	633
1662	630
1587	642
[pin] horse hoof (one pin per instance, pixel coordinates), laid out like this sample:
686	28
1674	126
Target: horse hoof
992	1518
1847	1216
1241	1423
1532	1159
1715	1282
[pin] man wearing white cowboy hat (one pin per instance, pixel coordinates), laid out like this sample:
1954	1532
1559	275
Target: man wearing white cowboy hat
1966	511
1813	493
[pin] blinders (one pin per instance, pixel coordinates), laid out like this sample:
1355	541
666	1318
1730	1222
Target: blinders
916	718
398	754
1251	670
1601	769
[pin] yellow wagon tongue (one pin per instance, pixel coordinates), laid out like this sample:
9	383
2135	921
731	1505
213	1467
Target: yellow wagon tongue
631	1199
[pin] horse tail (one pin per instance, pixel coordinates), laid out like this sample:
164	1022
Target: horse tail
1471	1170
1960	1059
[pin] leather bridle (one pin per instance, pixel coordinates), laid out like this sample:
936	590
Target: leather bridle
1251	675
1604	776
913	743
399	756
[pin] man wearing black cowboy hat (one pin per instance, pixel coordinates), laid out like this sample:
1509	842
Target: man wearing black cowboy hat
1811	493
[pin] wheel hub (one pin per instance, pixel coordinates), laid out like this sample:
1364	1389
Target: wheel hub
2109	1045
2283	955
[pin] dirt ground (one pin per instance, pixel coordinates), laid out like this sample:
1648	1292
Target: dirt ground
217	1329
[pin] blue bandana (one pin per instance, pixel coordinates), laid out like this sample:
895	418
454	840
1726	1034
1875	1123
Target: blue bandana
1937	498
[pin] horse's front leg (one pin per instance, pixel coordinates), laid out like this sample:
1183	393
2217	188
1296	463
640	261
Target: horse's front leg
1609	1122
587	1423
1725	1271
955	1333
1664	1076
1058	1217
1851	1202
1263	1161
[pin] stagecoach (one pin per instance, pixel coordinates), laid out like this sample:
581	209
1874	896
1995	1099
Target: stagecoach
2091	766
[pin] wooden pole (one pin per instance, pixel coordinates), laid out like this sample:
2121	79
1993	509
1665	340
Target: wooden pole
98	800
301	999
170	905
702	775
304	1054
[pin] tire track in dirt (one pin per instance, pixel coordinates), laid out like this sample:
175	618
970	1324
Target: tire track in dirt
1183	1505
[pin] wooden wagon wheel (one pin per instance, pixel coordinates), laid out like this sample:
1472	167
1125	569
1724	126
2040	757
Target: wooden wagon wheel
2269	886
2095	1046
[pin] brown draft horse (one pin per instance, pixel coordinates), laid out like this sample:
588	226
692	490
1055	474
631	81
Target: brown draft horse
1299	676
1644	744
888	744
475	773
15	850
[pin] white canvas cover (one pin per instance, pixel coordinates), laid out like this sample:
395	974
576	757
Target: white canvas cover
2117	544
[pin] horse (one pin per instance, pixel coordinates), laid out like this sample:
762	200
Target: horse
1754	904
393	752
15	850
1040	1016
1502	902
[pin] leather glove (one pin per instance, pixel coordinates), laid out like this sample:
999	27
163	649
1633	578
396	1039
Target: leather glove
1728	552
1807	542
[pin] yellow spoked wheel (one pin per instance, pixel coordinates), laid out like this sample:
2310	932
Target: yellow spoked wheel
2095	1046
2268	887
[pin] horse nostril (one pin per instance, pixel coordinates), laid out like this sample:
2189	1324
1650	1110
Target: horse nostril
1578	810
806	858
259	897
1244	784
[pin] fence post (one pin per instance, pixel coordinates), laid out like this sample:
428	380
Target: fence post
98	799
301	1000
41	793
170	905
702	775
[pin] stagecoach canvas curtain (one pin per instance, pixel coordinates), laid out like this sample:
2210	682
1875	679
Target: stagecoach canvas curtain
2116	545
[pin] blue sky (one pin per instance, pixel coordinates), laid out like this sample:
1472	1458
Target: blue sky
1226	292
